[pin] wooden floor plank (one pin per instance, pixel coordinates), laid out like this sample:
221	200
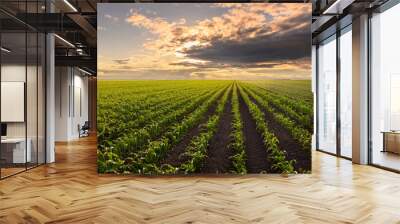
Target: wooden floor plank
71	191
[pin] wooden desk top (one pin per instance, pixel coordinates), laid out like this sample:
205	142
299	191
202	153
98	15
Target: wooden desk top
391	132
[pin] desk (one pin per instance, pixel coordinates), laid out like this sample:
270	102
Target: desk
391	141
13	150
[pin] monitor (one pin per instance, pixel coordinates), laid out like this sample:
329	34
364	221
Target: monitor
3	129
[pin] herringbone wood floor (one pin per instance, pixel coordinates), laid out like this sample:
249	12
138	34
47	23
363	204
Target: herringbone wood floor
70	191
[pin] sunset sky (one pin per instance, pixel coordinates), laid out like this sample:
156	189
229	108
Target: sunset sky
204	41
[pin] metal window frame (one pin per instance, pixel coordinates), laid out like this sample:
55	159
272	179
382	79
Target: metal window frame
317	95
339	32
44	74
386	6
338	95
0	91
381	9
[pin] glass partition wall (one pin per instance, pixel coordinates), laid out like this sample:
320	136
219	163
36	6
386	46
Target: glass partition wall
22	98
326	60
345	90
334	93
385	89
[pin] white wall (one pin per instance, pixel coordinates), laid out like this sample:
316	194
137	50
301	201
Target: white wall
16	73
62	82
79	115
70	83
33	127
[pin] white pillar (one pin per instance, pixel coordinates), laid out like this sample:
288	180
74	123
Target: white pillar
63	102
360	90
50	99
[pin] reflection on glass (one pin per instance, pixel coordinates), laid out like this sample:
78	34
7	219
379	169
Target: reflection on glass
395	102
22	90
41	98
385	114
14	153
327	96
31	101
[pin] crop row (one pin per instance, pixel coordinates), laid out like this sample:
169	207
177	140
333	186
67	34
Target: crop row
129	146
196	151
146	161
294	89
238	141
276	155
122	107
301	135
286	107
138	131
113	128
296	102
138	139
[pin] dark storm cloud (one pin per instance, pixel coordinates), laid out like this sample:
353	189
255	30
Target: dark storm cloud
289	45
121	61
243	41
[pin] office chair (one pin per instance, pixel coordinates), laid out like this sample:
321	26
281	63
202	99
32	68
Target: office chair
84	130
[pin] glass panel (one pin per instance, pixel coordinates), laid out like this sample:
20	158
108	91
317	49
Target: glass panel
41	98
346	93
385	84
23	90
32	88
327	96
13	88
31	98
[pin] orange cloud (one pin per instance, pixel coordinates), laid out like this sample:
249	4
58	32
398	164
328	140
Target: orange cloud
172	43
242	21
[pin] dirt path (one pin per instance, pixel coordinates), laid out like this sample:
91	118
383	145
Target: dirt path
256	153
218	153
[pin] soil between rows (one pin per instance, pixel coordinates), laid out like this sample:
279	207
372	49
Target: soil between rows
173	156
287	142
256	153
219	153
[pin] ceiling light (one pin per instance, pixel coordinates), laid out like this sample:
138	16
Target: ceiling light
70	5
64	40
79	51
5	50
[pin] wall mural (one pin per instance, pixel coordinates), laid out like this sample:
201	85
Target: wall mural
215	88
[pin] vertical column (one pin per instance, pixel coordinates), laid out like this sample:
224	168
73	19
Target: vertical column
360	90
338	91
92	100
50	92
314	91
50	98
63	114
